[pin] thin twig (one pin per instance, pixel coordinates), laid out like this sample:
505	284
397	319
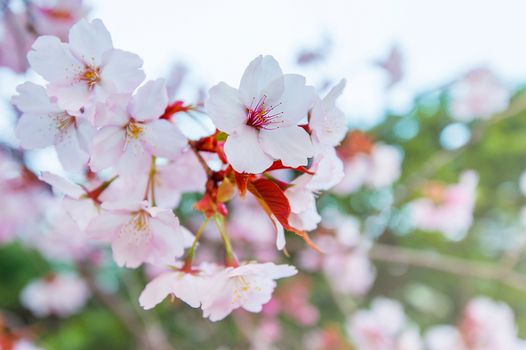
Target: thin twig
446	263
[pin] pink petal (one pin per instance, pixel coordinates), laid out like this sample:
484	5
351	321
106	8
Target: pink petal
292	145
258	76
158	289
89	41
134	161
163	139
122	70
36	130
108	145
150	100
61	184
244	152
33	98
225	108
53	60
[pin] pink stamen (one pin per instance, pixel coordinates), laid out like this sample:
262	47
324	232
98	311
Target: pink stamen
261	117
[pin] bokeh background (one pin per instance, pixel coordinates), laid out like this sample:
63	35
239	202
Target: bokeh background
407	65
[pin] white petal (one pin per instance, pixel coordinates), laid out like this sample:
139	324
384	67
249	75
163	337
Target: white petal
158	289
108	146
244	152
72	155
225	108
62	185
296	100
90	41
292	145
134	161
53	60
32	98
121	70
80	210
36	130
71	96
105	225
114	111
150	100
258	76
163	139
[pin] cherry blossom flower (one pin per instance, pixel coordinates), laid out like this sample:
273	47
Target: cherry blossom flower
487	324
190	287
57	17
379	168
43	123
76	201
247	286
132	132
61	295
139	233
444	337
383	327
447	209
327	121
87	69
304	215
478	95
262	116
64	241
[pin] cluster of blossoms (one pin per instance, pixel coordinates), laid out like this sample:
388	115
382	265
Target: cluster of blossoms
484	324
120	135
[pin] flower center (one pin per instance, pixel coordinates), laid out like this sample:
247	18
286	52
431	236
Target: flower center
436	192
260	116
137	230
64	121
91	76
134	130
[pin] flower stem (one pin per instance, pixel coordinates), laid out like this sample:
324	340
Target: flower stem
190	255
230	257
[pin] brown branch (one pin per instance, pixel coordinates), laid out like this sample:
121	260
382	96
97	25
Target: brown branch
449	264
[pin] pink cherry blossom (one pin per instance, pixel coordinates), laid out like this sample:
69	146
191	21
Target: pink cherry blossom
189	287
139	233
132	132
247	286
43	123
327	121
479	94
64	241
488	325
304	215
61	295
383	327
444	337
57	17
262	116
87	69
380	168
447	209
76	201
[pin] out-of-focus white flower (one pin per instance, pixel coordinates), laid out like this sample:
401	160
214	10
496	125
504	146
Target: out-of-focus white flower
61	295
479	94
447	209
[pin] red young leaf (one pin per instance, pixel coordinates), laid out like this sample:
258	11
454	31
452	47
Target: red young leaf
273	197
277	165
274	202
